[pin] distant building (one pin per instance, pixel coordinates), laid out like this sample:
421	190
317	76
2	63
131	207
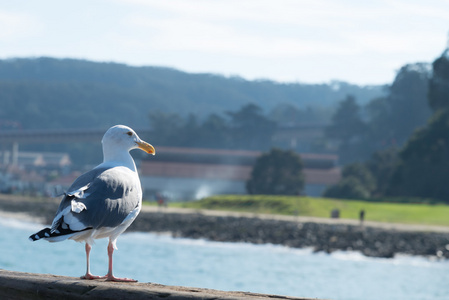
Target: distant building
28	160
191	173
29	172
16	180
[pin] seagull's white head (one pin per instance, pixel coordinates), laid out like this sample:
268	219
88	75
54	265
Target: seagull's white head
120	139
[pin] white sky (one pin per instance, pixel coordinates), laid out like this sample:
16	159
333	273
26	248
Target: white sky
311	41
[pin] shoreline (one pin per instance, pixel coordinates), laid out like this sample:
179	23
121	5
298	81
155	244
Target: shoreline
302	219
328	235
26	217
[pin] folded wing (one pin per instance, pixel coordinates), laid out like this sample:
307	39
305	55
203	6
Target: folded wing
102	197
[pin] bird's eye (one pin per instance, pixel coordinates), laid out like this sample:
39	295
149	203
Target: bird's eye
129	133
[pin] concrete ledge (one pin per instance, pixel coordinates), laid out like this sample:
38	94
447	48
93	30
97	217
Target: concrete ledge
18	285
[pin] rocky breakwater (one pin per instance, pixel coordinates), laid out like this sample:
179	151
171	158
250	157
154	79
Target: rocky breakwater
328	237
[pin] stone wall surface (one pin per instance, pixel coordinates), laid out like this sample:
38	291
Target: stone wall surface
18	285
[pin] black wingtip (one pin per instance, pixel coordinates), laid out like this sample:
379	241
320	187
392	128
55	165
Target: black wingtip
46	233
41	234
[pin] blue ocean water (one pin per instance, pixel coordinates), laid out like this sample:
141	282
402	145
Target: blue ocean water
230	266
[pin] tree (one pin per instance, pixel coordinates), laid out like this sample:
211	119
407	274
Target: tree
348	128
388	124
250	128
382	166
371	178
362	173
439	83
167	126
286	114
423	170
347	188
189	133
214	132
246	128
357	183
379	122
409	90
346	122
277	172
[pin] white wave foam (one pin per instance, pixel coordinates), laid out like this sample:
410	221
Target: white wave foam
420	261
398	259
20	221
349	255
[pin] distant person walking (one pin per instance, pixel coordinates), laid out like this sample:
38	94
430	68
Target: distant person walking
362	216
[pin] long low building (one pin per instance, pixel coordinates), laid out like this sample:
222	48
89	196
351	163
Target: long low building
192	173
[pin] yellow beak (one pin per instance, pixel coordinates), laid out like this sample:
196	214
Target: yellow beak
144	146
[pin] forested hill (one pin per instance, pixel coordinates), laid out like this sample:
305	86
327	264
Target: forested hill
68	93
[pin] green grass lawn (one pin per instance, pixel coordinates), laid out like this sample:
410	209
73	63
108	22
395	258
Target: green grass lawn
409	213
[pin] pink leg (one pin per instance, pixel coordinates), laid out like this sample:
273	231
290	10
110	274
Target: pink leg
88	274
110	276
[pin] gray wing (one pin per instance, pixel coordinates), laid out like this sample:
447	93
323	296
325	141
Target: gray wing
102	197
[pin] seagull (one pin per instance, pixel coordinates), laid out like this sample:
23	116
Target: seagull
103	202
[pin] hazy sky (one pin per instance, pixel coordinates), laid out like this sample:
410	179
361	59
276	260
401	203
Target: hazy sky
363	42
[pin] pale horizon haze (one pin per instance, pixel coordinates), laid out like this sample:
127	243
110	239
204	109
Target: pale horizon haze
360	42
